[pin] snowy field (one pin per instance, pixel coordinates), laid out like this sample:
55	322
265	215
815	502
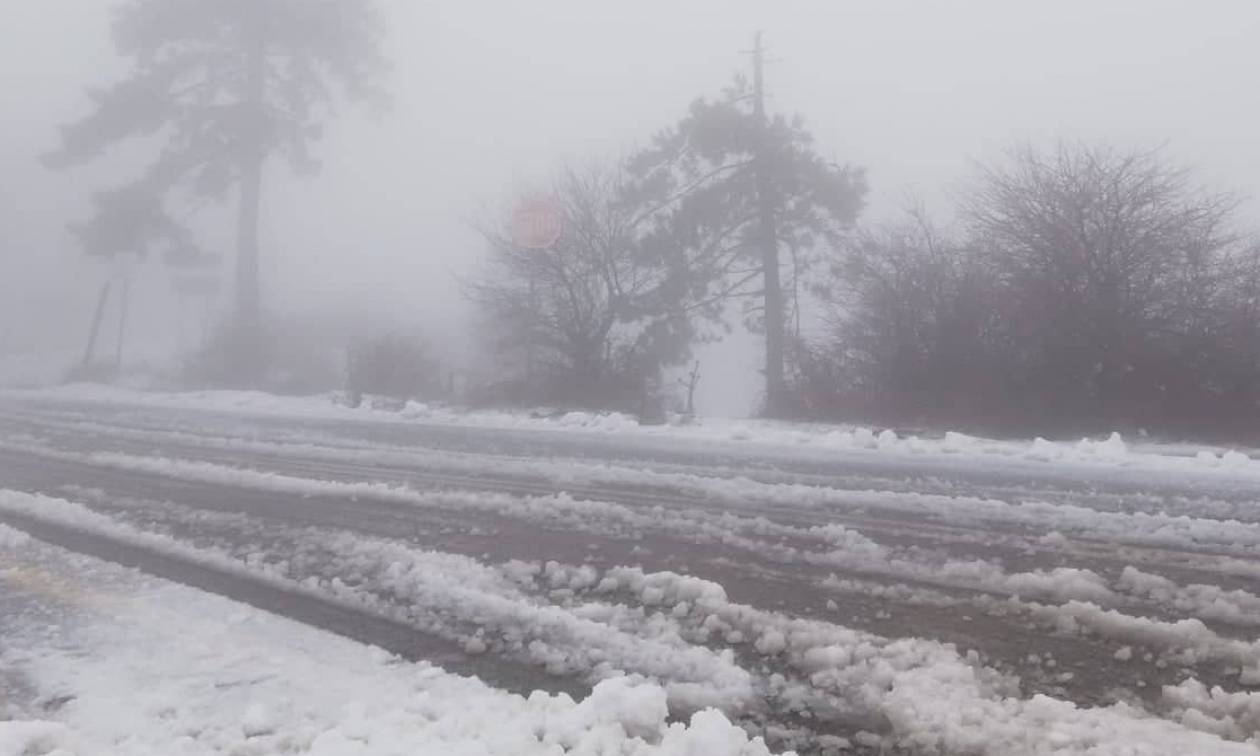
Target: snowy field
723	587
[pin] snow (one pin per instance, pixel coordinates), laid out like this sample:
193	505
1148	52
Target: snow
151	668
1231	715
935	700
1189	634
428	589
855	551
848	549
235	676
23	738
1039	557
1191	529
1113	447
1205	601
1113	451
10	538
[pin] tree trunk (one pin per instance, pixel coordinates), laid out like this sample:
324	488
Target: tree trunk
774	315
96	328
247	331
652	403
248	290
692	381
122	325
768	241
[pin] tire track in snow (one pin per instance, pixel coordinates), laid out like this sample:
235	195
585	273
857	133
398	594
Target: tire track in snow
784	581
948	519
962	570
306	607
844	676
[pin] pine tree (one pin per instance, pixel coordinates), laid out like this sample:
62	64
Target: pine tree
729	188
220	87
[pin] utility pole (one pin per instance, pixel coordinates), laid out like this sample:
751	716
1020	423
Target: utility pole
768	240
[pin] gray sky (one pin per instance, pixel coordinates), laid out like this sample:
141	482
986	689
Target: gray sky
488	96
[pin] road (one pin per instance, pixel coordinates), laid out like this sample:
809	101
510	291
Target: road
551	559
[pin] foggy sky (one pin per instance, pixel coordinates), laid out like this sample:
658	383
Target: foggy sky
489	96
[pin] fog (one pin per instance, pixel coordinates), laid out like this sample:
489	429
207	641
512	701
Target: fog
489	97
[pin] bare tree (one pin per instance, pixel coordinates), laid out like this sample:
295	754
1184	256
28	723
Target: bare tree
1091	288
1100	250
909	315
578	310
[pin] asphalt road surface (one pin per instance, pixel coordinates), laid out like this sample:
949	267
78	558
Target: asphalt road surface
549	559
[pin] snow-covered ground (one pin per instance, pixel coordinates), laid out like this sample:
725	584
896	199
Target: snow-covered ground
909	596
114	663
1097	453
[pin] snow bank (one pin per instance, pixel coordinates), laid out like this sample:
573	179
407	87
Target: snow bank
914	693
934	700
1110	452
1193	639
31	737
1210	524
851	550
1206	601
1230	715
1113	447
169	670
443	594
841	548
10	538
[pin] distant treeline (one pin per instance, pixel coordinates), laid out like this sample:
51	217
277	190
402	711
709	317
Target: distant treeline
1076	290
1085	289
